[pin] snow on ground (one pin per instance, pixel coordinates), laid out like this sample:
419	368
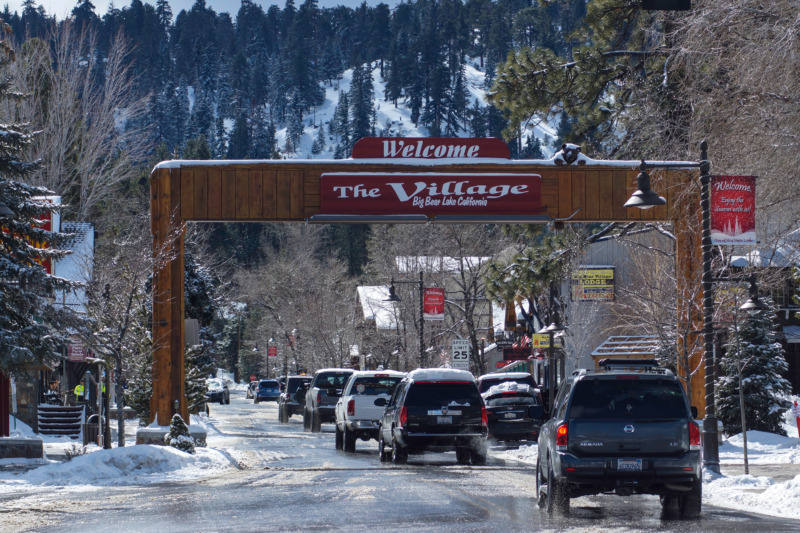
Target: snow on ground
130	465
753	493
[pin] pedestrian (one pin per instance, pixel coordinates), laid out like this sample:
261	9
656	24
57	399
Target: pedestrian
79	392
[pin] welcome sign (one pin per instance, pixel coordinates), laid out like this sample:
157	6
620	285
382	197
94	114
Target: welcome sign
429	194
733	210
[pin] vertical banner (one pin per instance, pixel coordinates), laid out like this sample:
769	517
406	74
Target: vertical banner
733	210
433	306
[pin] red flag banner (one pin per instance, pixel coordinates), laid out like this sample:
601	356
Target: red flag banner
433	307
733	210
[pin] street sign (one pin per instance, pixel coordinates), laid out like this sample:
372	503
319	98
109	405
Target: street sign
272	351
460	354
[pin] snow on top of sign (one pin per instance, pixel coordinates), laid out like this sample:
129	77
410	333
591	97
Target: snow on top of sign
375	307
423	162
440	374
509	386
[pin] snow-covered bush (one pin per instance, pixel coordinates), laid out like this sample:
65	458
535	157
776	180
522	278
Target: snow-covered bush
178	436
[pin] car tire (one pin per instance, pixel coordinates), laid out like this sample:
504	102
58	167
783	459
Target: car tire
691	503
228	401
399	453
557	499
222	401
316	425
349	440
670	507
462	456
255	400
339	438
478	455
383	455
306	421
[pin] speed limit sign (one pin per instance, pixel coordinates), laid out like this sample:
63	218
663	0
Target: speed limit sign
460	355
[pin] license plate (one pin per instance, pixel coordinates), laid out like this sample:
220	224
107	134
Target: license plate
629	465
510	415
444	419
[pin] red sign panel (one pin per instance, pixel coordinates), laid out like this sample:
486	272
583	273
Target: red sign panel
516	354
76	350
733	210
433	304
272	351
501	364
429	148
430	194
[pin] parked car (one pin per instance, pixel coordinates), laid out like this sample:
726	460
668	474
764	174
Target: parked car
435	409
486	381
324	391
358	412
624	430
268	391
515	412
293	398
251	389
217	391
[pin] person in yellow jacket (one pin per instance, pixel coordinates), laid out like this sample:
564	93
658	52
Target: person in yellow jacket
79	392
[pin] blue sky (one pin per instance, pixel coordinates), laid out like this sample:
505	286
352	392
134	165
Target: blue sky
61	8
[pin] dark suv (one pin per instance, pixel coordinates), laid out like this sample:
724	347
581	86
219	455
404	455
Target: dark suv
321	398
435	410
293	397
627	429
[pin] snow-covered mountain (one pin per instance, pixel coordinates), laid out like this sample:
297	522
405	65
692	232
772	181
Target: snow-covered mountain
390	121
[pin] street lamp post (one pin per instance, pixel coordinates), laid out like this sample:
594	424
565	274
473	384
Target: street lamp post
394	298
551	330
644	198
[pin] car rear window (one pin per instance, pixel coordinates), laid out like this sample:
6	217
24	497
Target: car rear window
498	401
295	383
488	383
371	386
332	380
268	384
628	398
422	394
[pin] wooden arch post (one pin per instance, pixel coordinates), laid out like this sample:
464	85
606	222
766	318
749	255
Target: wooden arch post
572	189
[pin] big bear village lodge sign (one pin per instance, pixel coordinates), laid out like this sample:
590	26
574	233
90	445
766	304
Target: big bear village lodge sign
429	193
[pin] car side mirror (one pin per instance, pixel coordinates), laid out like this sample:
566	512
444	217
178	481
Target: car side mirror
694	412
380	402
536	411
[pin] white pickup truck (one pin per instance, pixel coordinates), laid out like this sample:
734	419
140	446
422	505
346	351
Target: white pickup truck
357	413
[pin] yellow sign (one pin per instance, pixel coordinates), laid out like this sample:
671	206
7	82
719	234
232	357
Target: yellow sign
542	340
592	284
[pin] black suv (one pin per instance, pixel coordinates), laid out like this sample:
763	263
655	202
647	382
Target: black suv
627	429
435	410
293	397
321	398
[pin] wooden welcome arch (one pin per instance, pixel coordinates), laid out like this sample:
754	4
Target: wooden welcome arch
574	188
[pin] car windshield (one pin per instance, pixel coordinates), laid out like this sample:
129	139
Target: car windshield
295	383
268	385
214	385
332	380
628	398
488	383
422	394
372	386
498	401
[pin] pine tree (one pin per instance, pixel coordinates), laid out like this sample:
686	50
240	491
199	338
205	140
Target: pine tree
179	436
32	330
196	372
752	348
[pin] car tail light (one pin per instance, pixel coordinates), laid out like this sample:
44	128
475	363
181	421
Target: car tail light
319	397
403	416
351	408
561	437
484	416
694	436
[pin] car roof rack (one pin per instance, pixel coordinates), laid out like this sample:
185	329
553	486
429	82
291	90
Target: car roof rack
637	365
